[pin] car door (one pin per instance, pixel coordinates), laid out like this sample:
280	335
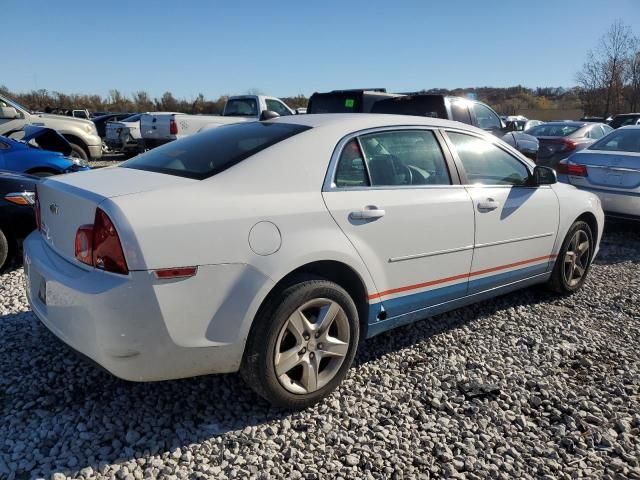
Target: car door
396	195
516	224
4	148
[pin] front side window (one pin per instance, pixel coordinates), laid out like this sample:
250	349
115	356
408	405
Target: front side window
486	118
460	112
276	106
241	107
487	164
213	151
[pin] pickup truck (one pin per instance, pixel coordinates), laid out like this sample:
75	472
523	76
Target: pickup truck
80	133
159	128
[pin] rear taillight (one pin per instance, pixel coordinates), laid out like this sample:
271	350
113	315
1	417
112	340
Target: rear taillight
84	244
37	209
573	169
568	145
173	127
99	245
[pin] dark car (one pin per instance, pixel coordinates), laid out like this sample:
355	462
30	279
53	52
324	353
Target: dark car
347	101
101	122
471	112
558	140
624	120
17	216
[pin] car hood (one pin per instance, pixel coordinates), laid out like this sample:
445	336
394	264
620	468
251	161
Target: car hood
54	118
47	139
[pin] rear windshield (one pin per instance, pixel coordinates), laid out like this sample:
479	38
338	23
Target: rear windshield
623	120
338	102
626	140
241	107
208	153
421	106
553	130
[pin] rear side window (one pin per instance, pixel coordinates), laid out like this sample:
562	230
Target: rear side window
596	132
486	164
627	140
213	151
417	105
351	171
338	102
241	107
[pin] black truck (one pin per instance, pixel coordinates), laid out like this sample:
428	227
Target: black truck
448	107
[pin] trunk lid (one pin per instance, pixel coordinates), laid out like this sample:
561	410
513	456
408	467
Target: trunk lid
550	146
69	201
610	170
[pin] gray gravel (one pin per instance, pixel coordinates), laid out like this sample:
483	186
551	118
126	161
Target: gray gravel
529	385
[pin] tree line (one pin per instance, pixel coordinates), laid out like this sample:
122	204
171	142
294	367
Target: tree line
609	81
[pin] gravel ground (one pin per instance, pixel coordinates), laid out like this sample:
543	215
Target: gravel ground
556	395
108	160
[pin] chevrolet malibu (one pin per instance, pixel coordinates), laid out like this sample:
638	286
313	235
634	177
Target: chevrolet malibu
273	248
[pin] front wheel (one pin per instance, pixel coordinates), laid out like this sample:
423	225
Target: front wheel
573	263
302	344
4	252
78	152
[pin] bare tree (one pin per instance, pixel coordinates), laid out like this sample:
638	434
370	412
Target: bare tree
602	78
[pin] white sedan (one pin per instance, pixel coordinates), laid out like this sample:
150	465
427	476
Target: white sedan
272	248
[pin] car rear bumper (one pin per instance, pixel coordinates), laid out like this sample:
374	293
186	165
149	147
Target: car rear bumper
616	203
137	327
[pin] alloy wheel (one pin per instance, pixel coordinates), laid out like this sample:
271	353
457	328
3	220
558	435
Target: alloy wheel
576	258
311	346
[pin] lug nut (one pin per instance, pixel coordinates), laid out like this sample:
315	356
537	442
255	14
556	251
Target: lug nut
320	346
303	351
311	355
317	334
306	336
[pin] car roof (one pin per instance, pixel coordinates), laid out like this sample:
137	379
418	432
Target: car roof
360	121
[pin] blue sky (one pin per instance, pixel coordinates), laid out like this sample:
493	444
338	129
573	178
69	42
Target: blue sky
289	47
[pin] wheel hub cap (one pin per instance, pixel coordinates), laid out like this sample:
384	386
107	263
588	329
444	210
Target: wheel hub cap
311	346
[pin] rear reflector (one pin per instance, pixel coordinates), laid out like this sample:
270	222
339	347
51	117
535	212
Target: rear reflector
573	169
179	272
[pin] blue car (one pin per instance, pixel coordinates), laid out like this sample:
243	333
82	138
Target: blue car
41	152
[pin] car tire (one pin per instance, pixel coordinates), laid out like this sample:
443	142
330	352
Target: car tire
78	152
4	252
318	344
574	261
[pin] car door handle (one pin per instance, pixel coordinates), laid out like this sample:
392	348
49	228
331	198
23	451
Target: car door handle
488	204
369	212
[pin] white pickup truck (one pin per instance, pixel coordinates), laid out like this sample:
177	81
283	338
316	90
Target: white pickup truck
162	127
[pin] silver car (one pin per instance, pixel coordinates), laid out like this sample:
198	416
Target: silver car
611	169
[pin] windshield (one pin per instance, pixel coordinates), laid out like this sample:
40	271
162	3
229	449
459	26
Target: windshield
553	130
241	107
625	140
213	151
623	120
12	103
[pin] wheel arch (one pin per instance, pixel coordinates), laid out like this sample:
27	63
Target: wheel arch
36	170
335	271
591	220
77	141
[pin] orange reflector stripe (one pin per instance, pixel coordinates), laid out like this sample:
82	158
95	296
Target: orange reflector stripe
179	272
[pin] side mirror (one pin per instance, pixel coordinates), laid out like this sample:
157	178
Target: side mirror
268	115
8	113
544	176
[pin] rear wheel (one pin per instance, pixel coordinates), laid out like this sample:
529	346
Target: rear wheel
302	344
573	262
